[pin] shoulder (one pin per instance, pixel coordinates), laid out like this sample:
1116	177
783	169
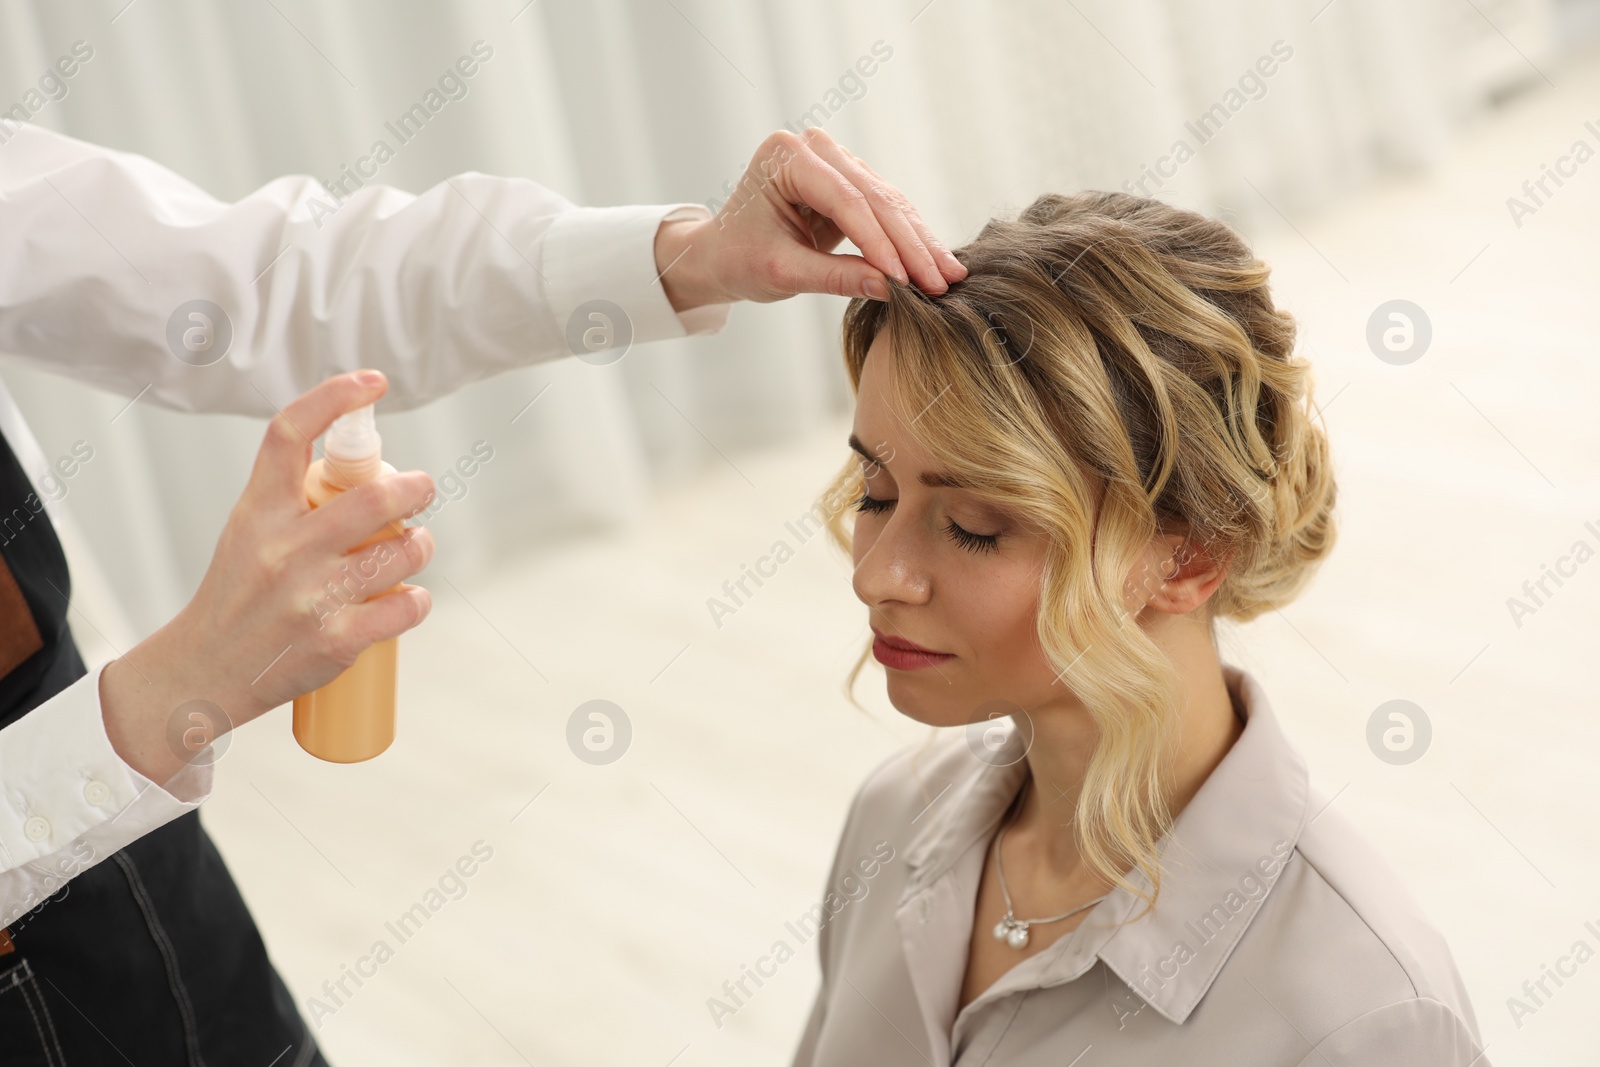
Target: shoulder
1357	879
871	863
908	782
1352	951
1403	1034
899	801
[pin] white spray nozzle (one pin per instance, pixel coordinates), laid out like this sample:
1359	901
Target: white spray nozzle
353	436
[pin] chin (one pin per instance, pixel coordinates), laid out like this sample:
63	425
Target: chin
915	701
937	705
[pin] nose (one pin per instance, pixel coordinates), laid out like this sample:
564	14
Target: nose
892	565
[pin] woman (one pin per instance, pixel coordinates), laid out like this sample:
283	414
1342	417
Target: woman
1070	465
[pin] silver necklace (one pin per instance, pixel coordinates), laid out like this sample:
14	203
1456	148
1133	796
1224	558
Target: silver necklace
1010	929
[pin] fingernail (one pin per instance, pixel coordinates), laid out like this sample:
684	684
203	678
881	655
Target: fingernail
370	378
875	288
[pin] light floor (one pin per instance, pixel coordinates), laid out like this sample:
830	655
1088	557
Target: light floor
622	897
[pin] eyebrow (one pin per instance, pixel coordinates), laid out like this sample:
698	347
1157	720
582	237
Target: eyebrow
931	479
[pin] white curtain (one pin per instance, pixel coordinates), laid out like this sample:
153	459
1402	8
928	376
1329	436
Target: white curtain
972	108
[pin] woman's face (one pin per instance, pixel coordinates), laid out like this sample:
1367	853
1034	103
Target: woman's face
940	569
943	570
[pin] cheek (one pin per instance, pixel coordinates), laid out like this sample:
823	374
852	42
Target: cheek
997	609
1011	631
1005	616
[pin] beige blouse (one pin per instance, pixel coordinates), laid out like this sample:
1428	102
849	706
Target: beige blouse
1280	937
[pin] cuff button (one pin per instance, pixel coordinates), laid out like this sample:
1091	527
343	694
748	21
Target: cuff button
36	828
96	792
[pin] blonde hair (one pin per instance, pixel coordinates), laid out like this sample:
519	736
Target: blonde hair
1113	368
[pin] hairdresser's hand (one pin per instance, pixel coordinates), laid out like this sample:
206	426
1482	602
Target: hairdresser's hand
801	195
263	627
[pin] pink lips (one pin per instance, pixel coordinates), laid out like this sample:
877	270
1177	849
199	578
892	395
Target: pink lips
902	655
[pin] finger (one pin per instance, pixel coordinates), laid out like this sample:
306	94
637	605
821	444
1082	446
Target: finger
386	616
285	455
951	267
372	570
822	188
890	208
825	234
808	271
359	513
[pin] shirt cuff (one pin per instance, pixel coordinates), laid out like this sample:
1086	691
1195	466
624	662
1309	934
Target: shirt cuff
61	779
608	254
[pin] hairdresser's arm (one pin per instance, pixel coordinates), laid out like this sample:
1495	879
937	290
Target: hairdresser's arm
127	748
71	799
103	250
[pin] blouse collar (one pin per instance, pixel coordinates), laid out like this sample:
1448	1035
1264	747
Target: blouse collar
1221	857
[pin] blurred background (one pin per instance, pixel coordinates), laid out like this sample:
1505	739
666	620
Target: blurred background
1383	160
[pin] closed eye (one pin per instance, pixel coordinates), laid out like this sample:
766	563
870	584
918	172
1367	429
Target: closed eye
979	543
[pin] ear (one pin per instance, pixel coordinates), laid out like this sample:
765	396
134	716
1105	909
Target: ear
1187	575
1175	576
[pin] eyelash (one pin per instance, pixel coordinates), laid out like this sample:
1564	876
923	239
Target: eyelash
980	543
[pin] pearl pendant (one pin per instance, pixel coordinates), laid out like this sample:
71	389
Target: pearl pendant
1011	932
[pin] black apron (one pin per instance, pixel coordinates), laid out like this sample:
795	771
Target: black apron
150	956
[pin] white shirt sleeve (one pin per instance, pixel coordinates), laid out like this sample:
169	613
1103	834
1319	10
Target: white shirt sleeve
69	799
103	254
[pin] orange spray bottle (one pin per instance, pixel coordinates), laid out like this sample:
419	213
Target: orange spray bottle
352	717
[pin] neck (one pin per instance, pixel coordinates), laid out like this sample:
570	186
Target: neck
1065	736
